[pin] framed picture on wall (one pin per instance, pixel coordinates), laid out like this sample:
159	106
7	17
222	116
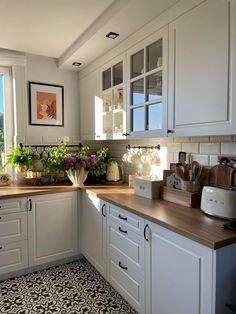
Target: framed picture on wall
46	104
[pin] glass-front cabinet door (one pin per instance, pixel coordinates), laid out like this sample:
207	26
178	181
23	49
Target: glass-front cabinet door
147	86
112	120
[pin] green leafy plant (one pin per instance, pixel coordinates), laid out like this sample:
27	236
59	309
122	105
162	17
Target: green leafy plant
55	161
100	168
21	155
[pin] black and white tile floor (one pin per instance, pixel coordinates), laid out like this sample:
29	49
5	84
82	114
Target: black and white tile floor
71	288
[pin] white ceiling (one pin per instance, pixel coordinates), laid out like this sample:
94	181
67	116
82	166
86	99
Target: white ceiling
72	30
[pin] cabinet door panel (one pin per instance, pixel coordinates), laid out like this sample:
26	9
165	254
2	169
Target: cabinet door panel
178	274
174	265
88	100
13	256
52	227
93	232
199	94
13	227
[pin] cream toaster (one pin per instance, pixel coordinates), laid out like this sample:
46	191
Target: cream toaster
219	202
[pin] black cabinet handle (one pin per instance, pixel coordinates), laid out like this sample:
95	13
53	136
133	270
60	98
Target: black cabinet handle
30	205
144	232
122	217
125	134
0	217
123	231
98	136
170	131
1	247
123	267
103	206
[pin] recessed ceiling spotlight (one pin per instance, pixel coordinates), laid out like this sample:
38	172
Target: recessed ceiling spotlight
112	35
77	64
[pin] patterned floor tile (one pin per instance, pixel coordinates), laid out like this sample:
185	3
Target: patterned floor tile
73	288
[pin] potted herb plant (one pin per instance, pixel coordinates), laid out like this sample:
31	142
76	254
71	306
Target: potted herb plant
55	161
22	157
98	170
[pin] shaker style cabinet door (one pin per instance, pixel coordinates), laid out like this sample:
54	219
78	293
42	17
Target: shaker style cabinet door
202	70
52	226
147	86
178	274
110	112
93	231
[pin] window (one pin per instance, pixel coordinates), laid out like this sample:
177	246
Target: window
6	113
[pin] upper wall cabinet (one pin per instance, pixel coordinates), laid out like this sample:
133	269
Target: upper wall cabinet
88	101
147	86
110	114
202	70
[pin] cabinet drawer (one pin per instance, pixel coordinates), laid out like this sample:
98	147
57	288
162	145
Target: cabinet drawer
129	220
134	270
13	205
125	240
13	256
125	285
13	227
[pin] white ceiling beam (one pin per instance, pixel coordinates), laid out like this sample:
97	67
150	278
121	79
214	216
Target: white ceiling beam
91	30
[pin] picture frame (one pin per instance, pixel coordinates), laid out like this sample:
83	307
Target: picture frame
46	104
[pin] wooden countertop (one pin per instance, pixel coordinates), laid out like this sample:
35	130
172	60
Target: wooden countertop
189	222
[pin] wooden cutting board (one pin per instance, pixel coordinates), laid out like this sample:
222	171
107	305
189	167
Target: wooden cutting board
221	175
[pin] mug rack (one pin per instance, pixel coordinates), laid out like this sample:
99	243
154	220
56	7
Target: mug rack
45	146
158	147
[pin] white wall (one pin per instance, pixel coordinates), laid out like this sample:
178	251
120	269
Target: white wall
44	70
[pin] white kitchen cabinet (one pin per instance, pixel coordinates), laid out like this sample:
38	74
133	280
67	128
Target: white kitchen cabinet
89	100
93	231
111	117
202	70
178	274
183	276
125	255
52	227
147	86
13	235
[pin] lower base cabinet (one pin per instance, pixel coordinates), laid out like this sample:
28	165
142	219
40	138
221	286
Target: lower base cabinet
13	256
125	255
52	227
93	231
178	274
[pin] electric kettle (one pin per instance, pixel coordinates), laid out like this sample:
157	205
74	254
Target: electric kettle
113	172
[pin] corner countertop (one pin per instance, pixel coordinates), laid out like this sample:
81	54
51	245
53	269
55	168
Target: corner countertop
189	222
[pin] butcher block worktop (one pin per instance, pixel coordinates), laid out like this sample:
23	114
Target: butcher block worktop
189	222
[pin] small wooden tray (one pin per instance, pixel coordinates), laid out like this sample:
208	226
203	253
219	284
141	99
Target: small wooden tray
189	199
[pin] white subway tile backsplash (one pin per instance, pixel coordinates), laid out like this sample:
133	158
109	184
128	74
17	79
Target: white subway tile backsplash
174	147
183	139
209	148
200	139
190	147
213	160
202	159
228	148
203	149
221	138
